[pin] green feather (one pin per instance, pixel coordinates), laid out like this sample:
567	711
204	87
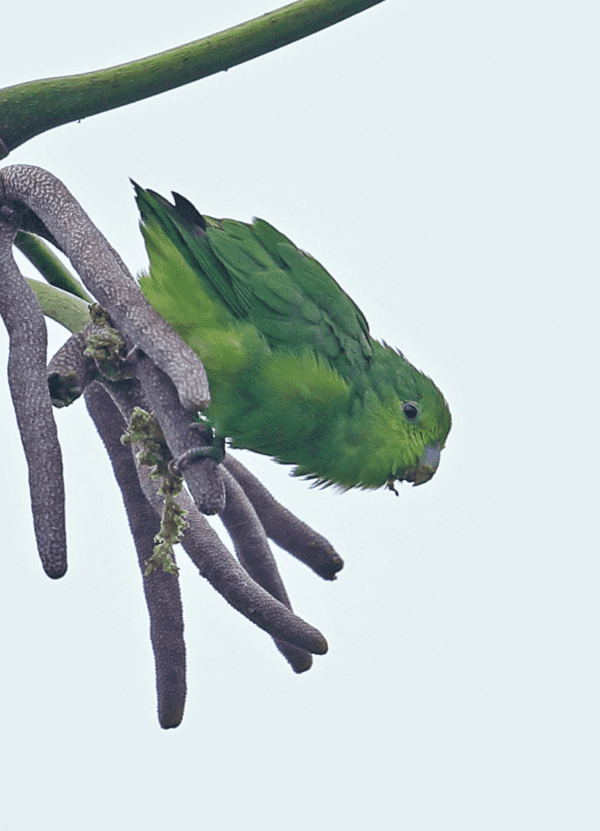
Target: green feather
293	370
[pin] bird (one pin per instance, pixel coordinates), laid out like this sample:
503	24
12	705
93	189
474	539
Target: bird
293	370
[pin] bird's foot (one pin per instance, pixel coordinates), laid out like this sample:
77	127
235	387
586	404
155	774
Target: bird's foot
214	449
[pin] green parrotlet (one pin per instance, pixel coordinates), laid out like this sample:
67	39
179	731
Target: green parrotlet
293	370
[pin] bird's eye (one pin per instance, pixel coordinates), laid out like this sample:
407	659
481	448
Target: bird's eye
410	410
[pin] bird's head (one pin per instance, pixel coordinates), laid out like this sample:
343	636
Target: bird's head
423	422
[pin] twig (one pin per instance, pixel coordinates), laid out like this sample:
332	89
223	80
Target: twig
62	306
48	264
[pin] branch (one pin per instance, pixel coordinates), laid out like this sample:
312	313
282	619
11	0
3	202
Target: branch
61	306
48	264
26	110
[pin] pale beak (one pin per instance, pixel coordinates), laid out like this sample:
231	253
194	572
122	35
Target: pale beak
428	464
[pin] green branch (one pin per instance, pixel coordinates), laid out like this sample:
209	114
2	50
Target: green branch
63	307
26	110
48	264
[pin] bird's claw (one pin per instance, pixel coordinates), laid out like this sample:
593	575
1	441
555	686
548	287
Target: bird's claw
215	450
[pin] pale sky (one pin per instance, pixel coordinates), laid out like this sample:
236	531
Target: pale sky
441	160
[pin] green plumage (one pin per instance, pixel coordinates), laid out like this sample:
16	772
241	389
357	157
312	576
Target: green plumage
293	370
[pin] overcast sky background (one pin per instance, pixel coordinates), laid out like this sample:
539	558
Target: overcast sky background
441	160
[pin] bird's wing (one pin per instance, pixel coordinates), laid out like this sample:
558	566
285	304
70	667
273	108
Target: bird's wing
262	277
186	228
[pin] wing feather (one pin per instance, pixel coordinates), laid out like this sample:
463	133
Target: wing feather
263	278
